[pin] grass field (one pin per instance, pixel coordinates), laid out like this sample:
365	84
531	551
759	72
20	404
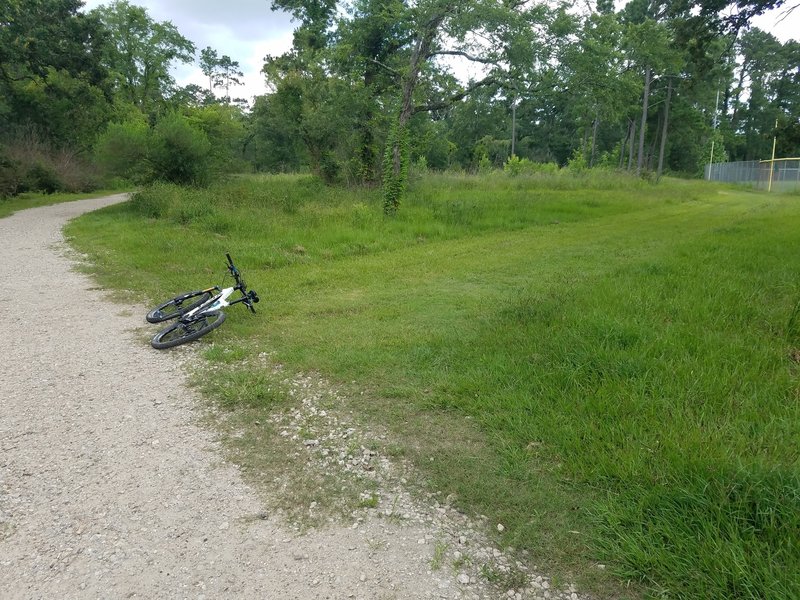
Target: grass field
607	367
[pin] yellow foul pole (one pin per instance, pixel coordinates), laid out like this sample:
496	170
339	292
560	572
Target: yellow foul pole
772	162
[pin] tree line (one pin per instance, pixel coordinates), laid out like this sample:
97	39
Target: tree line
371	88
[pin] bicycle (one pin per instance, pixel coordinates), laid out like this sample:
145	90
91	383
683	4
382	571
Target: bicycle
198	312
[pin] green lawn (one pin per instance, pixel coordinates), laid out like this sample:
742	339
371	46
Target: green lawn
605	366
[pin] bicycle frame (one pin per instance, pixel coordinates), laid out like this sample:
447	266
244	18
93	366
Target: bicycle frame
215	303
220	300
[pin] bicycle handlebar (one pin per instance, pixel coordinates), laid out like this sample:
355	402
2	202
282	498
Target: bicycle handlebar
249	298
234	271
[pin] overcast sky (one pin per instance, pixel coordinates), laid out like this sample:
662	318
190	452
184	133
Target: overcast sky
248	30
245	30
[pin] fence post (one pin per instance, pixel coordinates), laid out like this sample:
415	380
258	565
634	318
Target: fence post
772	162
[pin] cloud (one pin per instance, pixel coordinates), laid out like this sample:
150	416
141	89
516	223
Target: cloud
242	20
251	59
245	30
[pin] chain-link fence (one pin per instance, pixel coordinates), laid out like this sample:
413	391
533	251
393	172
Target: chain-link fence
756	173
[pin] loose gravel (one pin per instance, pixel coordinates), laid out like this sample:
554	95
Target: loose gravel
109	487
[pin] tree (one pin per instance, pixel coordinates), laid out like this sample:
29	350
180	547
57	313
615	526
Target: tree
50	75
209	61
481	31
140	53
764	70
221	71
229	74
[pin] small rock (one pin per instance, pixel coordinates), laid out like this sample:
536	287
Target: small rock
500	527
463	578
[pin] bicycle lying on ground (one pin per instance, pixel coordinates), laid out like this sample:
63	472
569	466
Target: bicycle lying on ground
198	312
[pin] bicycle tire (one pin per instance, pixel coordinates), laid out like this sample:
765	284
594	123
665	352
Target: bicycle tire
182	332
177	307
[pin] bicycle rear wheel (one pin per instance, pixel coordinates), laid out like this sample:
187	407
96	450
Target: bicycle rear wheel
182	332
178	306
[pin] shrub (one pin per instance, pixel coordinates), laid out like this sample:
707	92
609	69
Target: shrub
577	162
329	167
516	166
42	177
122	150
485	165
10	175
30	163
180	153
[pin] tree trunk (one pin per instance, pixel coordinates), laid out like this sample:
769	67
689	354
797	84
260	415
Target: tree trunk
584	141
395	181
633	137
514	127
624	145
594	139
665	125
643	126
651	153
737	96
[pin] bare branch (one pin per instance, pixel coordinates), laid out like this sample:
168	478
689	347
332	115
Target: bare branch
387	68
448	102
470	57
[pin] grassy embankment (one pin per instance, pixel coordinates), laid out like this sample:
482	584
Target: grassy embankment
608	368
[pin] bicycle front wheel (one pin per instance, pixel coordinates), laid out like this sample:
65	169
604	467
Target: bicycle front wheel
180	332
178	306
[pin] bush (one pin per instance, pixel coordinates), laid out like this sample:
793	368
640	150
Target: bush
121	151
28	163
577	162
180	153
516	166
10	175
42	177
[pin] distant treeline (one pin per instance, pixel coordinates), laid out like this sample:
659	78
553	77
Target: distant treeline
365	93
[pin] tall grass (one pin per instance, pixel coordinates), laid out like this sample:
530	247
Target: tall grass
608	368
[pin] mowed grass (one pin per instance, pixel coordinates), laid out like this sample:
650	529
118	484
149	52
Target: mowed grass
607	368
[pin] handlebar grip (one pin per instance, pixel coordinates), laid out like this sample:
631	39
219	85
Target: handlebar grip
230	260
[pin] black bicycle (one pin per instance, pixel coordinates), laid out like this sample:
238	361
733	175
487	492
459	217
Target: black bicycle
198	312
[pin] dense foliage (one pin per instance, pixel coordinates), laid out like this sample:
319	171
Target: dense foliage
371	86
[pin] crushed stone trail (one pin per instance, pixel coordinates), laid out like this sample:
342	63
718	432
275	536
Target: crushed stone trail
108	486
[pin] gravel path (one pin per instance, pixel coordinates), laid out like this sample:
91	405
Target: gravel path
110	489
